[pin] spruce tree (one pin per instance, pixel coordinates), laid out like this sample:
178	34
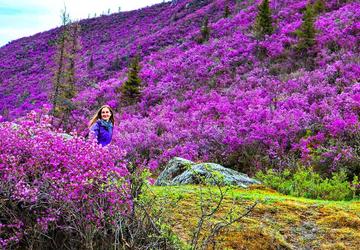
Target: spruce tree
131	88
263	23
116	64
307	32
205	31
319	6
306	39
61	62
74	48
65	75
91	62
227	12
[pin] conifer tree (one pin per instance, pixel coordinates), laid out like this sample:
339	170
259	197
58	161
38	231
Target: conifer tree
116	64
60	61
65	76
227	12
74	47
91	62
131	88
319	6
263	23
306	39
307	32
205	31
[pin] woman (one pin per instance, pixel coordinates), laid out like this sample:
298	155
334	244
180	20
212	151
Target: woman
102	124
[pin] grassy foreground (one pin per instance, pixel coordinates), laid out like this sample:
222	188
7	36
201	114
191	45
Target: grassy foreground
276	222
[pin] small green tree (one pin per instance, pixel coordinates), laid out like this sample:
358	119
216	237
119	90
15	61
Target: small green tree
74	47
60	60
205	31
91	62
65	76
319	6
227	11
306	33
116	64
263	23
68	85
130	90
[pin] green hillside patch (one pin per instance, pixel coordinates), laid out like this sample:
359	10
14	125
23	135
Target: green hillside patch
276	221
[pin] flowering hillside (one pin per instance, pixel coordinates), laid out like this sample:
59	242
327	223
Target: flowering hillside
235	99
241	83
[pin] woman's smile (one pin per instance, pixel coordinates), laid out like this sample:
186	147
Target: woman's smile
105	114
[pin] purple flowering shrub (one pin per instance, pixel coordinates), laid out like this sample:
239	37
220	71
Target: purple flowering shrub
53	183
215	101
263	113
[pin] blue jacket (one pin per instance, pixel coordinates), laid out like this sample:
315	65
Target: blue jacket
103	131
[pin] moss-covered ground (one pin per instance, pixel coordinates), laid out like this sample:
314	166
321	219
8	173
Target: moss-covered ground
276	222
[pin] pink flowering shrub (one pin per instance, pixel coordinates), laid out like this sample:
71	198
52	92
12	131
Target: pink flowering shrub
53	183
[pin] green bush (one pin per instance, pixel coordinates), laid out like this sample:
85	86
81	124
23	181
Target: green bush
304	182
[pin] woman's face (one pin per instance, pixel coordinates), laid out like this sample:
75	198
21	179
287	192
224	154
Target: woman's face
105	114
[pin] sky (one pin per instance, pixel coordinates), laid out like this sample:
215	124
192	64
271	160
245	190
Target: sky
21	18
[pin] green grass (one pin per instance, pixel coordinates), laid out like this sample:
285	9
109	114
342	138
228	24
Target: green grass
256	193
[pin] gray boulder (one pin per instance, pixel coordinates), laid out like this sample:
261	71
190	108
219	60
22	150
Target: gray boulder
180	171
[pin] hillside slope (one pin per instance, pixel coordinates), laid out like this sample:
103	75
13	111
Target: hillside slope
28	64
221	100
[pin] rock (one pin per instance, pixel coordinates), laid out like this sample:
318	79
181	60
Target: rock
180	171
66	136
175	167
